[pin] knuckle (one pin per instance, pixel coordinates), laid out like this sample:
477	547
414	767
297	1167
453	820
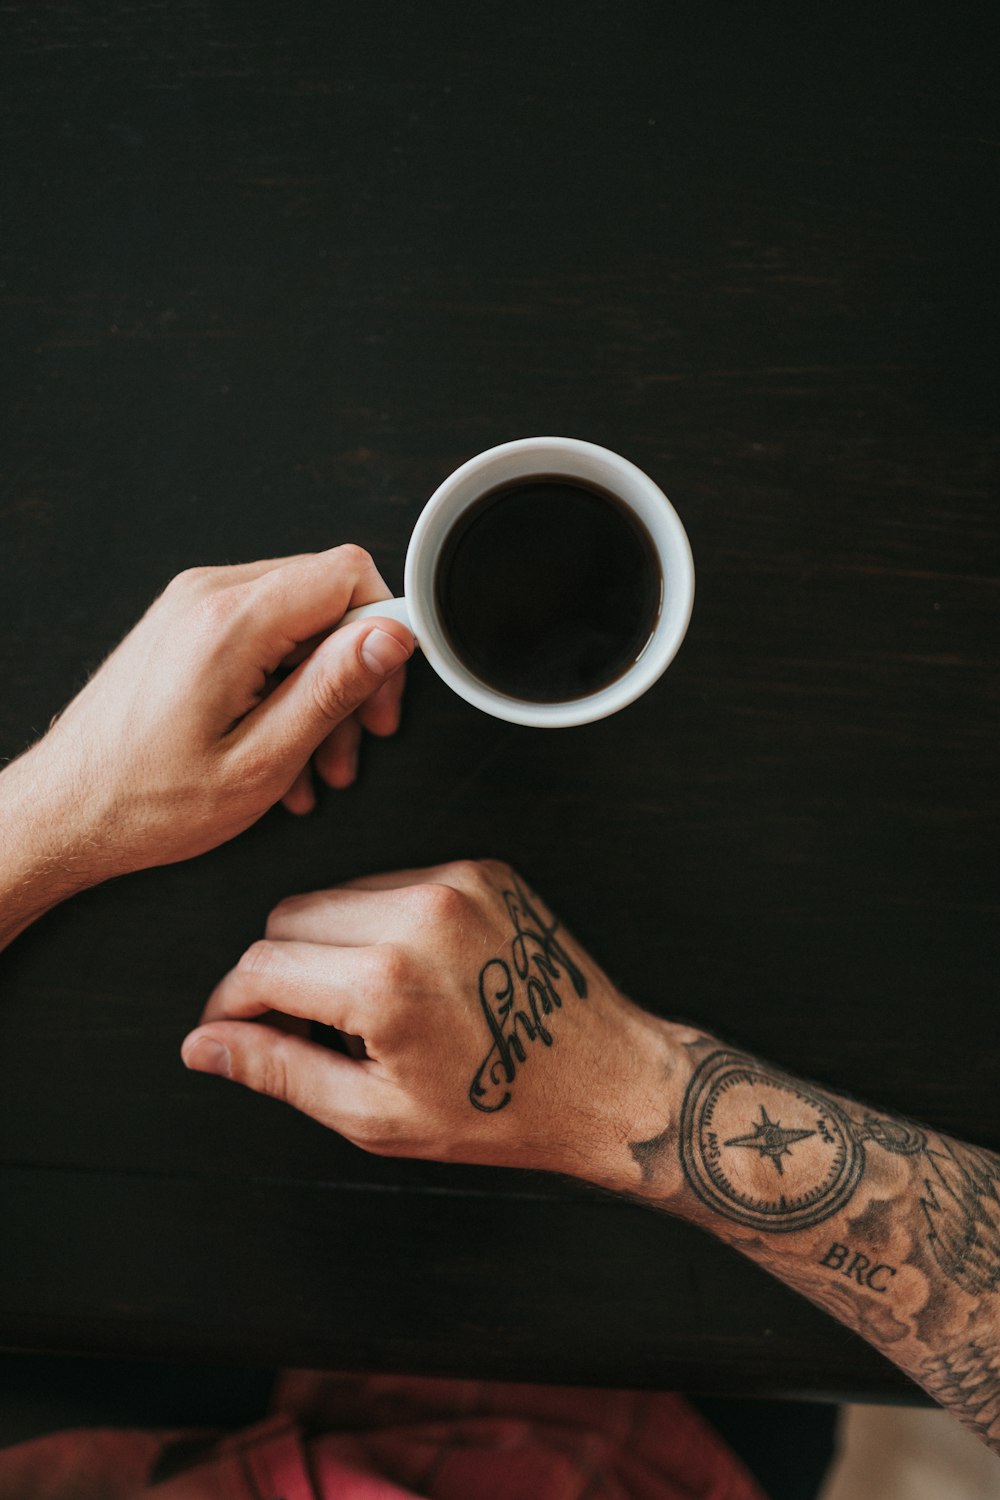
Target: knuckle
355	557
391	969
278	915
495	871
219	605
435	903
209	611
274	1073
467	872
259	960
332	698
204	589
189	580
245	783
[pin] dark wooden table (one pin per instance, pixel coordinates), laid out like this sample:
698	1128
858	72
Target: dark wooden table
268	274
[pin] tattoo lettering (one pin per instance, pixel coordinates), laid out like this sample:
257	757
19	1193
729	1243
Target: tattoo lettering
962	1211
518	997
859	1267
966	1379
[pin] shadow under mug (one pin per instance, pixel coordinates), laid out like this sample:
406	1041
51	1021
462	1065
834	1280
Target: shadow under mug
517	463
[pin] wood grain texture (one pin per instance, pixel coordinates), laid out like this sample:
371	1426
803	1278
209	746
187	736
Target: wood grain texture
265	280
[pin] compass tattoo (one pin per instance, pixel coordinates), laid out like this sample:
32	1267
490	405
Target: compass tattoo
743	1131
736	1109
770	1140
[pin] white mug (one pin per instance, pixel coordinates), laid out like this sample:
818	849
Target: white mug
511	464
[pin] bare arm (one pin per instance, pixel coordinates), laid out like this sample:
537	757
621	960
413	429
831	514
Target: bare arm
204	716
492	1036
44	845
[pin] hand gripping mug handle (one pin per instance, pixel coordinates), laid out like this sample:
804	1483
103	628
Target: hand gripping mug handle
389	609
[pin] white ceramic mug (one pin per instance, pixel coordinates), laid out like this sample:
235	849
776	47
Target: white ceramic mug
511	464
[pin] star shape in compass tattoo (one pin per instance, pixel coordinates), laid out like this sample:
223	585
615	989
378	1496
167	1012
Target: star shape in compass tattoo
770	1139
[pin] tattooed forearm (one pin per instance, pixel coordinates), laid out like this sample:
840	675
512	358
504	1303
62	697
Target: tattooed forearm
962	1210
909	1251
518	996
966	1379
870	1316
735	1107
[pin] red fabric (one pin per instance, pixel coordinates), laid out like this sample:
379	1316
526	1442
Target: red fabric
343	1437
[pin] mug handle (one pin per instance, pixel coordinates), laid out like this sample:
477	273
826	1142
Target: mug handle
389	609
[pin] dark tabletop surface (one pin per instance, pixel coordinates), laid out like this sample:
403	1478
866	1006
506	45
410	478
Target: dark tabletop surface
268	274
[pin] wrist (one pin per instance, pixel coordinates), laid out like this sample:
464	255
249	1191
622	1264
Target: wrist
643	1114
48	851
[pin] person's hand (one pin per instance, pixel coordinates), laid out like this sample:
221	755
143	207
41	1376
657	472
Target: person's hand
488	1034
210	709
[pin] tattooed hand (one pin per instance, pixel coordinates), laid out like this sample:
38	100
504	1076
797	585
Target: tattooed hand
488	1034
481	1032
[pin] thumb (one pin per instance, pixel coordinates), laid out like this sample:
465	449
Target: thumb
340	675
301	1073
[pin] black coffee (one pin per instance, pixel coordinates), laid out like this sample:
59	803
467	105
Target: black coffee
548	589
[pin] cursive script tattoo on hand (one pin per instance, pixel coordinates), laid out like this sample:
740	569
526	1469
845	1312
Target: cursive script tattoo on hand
519	996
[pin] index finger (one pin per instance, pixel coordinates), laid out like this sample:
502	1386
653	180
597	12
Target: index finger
232	573
453	873
298	978
310	595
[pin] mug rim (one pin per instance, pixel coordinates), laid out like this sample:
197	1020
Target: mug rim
631	487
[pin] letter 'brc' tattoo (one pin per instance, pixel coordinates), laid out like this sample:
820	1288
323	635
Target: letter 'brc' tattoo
538	959
858	1267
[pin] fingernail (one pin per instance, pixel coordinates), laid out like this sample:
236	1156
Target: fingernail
382	652
206	1056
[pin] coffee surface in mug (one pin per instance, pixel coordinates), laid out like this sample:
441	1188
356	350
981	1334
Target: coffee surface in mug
548	589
